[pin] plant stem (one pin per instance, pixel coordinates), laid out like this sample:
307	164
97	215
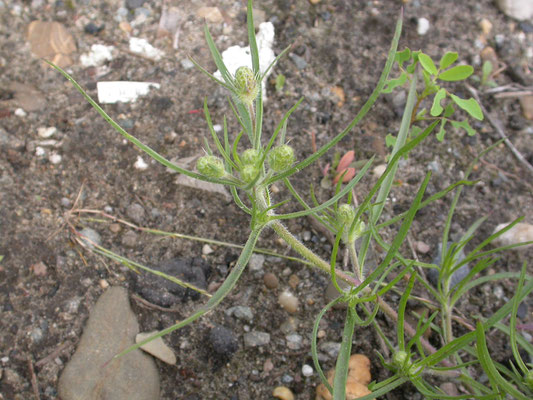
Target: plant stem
298	246
355	262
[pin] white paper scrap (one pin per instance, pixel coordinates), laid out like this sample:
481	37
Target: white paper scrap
110	92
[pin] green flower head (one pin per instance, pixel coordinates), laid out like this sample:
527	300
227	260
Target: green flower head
247	85
280	158
211	166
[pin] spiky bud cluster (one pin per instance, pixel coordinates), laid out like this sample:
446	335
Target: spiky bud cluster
345	214
402	361
211	166
246	85
280	158
249	173
250	157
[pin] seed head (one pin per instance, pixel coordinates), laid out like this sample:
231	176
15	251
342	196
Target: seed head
250	157
280	158
246	85
211	166
249	173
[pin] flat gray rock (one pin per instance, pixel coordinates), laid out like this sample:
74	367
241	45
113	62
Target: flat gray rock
111	328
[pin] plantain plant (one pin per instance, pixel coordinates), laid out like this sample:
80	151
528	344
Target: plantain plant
249	175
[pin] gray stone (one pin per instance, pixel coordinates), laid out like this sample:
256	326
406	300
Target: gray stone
298	61
223	341
294	341
92	373
136	212
91	237
241	312
331	349
130	239
255	339
133	4
256	262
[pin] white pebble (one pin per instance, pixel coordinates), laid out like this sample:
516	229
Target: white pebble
55	158
379	170
141	46
217	128
519	233
288	301
140	164
45	132
19	112
422	26
307	370
207	250
39	151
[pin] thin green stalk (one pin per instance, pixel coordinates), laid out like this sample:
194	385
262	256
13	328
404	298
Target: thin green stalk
358	269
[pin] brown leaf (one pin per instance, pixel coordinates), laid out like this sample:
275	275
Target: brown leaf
51	40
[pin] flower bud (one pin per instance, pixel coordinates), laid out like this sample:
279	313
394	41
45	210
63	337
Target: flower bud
249	173
345	214
280	158
211	166
246	85
400	359
250	157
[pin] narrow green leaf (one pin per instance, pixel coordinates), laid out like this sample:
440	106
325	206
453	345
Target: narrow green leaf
341	367
437	109
496	380
471	106
251	38
427	63
448	59
457	73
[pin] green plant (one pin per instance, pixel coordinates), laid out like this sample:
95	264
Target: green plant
249	175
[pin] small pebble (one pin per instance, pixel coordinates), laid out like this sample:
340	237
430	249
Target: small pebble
519	233
255	339
45	132
187	64
241	312
256	262
307	370
290	325
115	228
92	29
19	112
136	212
270	280
55	158
287	378
103	283
223	341
379	170
283	393
140	164
422	26
65	202
298	61
288	301
39	269
206	250
268	365
485	25
293	281
294	341
421	247
498	292
90	237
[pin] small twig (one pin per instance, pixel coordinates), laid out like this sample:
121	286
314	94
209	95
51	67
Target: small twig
52	355
520	93
33	379
500	131
152	306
